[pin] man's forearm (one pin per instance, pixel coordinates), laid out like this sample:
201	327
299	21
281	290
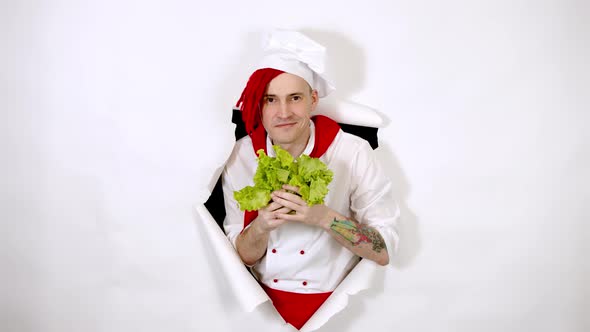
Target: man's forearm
363	240
251	244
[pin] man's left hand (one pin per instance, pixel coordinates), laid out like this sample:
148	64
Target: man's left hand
317	215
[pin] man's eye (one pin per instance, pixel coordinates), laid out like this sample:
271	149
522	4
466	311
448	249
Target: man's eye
296	98
270	99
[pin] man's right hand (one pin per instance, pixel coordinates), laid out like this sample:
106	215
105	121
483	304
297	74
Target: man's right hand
267	219
251	243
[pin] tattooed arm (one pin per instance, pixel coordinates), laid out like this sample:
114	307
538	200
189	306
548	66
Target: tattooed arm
363	240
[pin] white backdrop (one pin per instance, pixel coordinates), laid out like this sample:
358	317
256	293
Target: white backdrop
114	115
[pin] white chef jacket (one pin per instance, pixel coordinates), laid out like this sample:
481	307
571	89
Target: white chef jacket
306	259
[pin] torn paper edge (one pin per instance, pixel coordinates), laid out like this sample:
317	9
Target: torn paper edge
245	287
359	279
249	293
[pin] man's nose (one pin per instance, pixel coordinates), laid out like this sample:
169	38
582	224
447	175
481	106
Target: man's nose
284	110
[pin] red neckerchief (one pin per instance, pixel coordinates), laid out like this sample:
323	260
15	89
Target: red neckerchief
325	132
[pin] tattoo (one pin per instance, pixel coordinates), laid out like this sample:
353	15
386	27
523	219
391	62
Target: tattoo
358	233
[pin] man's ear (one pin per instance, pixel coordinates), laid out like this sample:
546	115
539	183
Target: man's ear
314	99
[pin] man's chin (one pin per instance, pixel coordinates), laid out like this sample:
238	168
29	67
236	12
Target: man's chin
282	136
281	141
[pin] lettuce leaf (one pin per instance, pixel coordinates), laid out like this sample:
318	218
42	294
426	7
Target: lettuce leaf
251	198
311	175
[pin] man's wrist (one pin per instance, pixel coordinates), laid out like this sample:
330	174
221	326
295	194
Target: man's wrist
327	222
257	228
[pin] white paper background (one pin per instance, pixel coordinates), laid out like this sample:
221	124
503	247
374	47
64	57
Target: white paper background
114	114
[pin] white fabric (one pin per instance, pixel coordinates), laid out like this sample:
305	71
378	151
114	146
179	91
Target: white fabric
359	190
295	53
347	112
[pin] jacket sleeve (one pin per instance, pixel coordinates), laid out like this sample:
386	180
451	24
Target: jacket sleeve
234	217
371	201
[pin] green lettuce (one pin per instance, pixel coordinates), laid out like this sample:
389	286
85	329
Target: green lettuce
311	175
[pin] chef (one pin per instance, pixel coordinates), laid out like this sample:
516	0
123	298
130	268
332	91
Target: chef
300	253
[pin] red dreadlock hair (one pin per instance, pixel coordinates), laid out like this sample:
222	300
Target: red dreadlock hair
251	100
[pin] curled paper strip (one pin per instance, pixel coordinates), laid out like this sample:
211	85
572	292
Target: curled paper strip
246	289
350	113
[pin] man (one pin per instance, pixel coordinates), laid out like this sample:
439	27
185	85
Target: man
300	253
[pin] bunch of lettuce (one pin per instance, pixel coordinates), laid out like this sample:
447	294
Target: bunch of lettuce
311	175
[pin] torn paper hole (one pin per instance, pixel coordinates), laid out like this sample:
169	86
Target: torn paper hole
245	287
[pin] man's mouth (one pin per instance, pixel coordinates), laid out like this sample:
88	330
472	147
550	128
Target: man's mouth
285	125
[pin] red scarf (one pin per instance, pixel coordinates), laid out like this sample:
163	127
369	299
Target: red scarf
326	130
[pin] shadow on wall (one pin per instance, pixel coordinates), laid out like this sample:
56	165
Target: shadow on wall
346	68
345	61
409	244
246	55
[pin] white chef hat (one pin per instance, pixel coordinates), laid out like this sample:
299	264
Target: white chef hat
297	54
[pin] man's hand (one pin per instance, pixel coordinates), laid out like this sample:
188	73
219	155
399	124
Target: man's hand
361	239
317	215
251	243
268	217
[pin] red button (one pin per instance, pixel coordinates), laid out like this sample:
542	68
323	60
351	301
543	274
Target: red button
305	283
302	252
276	280
274	251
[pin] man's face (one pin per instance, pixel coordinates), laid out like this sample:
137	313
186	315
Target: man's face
287	108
